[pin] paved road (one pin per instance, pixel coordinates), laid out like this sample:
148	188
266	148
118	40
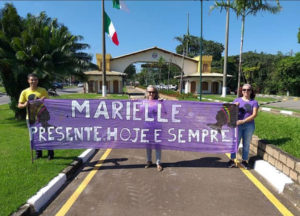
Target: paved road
190	184
4	99
290	103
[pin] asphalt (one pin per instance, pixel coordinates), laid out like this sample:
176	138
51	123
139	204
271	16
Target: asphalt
191	184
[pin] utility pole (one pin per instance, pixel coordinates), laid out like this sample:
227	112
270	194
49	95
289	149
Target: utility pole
181	74
226	52
188	35
103	53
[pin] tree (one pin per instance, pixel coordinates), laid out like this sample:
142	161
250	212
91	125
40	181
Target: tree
287	75
37	44
11	26
212	48
299	36
130	71
243	8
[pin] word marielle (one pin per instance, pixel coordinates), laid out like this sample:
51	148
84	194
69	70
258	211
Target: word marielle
136	111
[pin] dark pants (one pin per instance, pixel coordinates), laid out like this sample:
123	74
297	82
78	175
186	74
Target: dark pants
39	153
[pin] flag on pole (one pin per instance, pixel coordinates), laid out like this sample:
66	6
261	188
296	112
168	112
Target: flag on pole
116	4
110	30
119	4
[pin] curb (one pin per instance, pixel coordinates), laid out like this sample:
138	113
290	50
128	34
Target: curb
282	184
277	111
276	178
44	195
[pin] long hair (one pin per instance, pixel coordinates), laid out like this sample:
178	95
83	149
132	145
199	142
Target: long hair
155	90
252	94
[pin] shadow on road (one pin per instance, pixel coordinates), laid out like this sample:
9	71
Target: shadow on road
209	162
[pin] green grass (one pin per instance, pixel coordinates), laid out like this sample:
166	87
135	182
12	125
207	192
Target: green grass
20	179
2	89
279	130
228	98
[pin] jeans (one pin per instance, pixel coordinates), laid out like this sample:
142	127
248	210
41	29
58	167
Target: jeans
245	132
157	154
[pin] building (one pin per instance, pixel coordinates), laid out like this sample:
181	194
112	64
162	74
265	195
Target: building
115	67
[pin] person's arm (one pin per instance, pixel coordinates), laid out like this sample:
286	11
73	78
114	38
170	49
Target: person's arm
250	118
22	101
22	105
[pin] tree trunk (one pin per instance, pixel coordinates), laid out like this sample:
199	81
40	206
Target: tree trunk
241	52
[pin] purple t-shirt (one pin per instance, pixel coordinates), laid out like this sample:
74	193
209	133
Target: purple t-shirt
245	108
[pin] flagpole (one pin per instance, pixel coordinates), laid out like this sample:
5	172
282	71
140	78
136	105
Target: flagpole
201	40
103	53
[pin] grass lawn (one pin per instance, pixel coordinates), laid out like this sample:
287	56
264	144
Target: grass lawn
20	179
2	89
228	98
282	131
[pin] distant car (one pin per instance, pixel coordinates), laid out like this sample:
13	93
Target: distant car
80	85
57	85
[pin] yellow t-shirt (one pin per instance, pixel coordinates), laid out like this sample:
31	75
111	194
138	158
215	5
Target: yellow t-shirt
28	94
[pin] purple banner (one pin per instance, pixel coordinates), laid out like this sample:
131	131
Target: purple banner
174	125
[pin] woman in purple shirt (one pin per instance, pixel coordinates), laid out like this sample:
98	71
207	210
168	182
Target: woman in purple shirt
248	108
152	96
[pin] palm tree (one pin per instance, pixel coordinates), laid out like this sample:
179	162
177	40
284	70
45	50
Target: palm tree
37	44
11	25
243	8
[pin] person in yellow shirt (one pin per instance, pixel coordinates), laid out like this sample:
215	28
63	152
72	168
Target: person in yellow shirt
32	93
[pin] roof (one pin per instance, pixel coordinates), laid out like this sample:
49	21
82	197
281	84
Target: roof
108	73
155	48
204	75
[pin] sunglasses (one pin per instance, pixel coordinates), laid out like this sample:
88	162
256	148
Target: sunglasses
151	92
246	90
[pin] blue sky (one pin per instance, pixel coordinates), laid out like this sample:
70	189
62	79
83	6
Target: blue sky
156	23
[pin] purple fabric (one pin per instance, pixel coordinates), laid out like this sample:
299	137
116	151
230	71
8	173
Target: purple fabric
246	108
174	125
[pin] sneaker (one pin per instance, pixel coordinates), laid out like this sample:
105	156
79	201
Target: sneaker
159	168
244	165
231	164
149	164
